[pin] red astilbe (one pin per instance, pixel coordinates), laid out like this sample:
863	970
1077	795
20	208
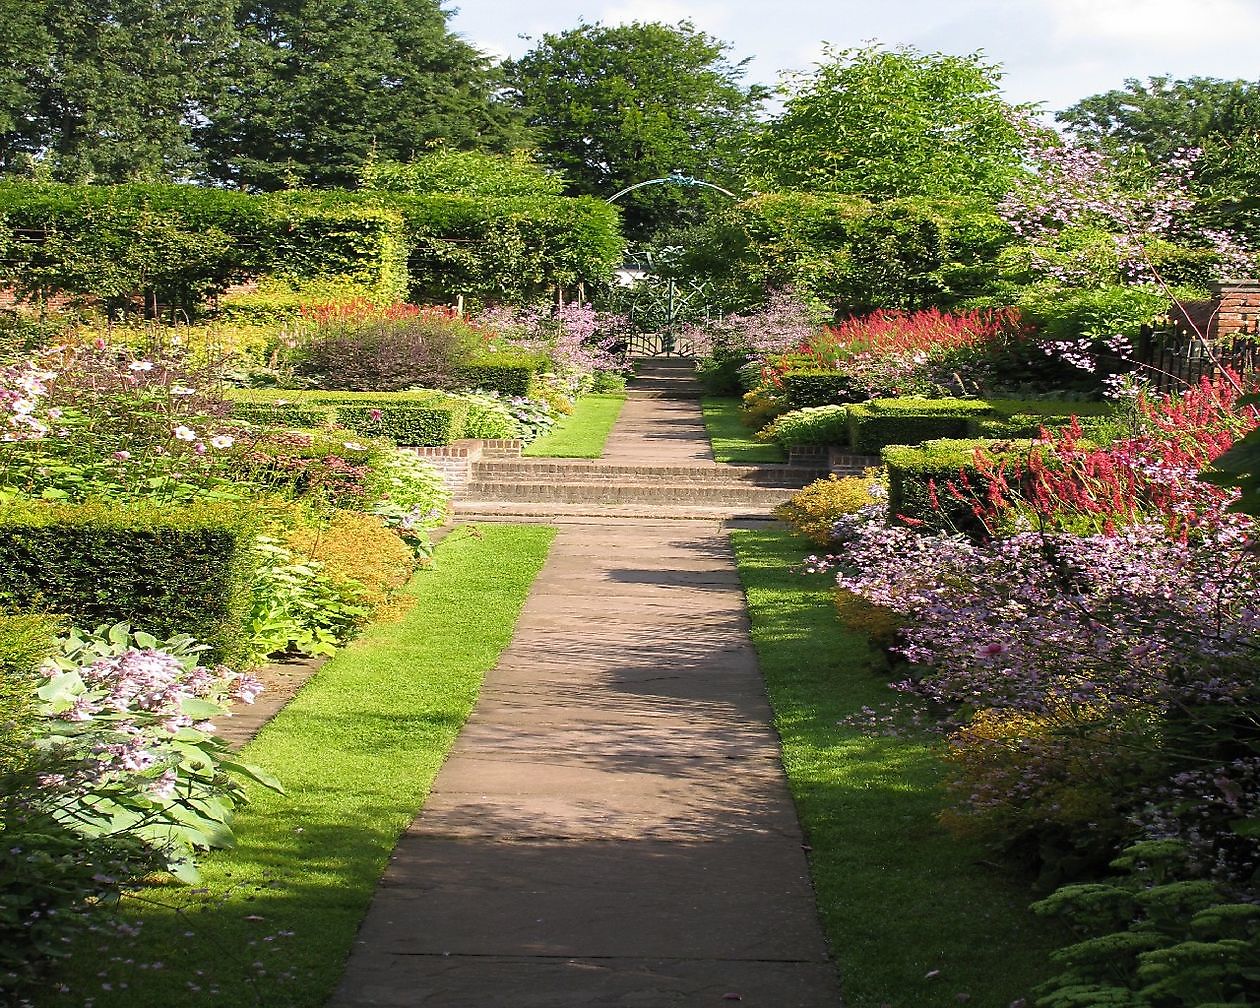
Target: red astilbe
888	332
1067	483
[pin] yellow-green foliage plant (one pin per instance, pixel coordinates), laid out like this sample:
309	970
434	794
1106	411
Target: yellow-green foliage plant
359	552
813	511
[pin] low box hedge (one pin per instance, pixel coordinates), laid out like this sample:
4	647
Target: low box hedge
913	471
804	388
881	422
507	374
163	568
421	418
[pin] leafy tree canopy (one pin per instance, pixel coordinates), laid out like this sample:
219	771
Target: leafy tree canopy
315	86
464	173
1160	117
106	90
616	105
890	124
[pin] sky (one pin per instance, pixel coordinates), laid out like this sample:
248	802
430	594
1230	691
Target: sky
1052	51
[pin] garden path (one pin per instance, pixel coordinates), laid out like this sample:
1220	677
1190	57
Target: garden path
613	826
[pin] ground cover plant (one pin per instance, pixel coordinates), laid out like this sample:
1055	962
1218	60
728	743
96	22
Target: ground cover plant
583	432
915	918
357	751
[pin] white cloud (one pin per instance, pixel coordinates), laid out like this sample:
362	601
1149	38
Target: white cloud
708	17
1160	22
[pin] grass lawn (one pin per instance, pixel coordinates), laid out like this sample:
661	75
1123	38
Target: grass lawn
731	440
899	898
357	751
583	432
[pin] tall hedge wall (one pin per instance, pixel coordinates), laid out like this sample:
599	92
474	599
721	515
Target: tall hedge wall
177	244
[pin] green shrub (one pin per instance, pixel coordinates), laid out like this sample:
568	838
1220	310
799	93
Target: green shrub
26	639
881	422
813	511
811	425
488	417
166	568
1156	937
913	472
414	418
505	373
285	413
817	388
277	300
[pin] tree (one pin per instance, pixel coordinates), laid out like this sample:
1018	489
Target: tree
315	87
107	90
616	105
1161	117
890	124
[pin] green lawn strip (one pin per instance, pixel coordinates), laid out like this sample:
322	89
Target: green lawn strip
357	751
583	432
731	439
899	898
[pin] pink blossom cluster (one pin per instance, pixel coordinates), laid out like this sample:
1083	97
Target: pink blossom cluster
24	411
576	336
1073	186
782	323
127	707
1041	622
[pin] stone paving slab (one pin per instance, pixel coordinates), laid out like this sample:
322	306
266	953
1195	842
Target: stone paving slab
401	981
613	826
558	899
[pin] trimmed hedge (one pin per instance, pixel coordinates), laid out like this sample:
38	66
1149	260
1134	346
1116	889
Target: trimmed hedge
913	470
100	241
506	374
163	568
817	388
421	418
874	425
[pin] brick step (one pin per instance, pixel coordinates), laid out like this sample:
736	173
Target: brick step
608	492
791	477
517	511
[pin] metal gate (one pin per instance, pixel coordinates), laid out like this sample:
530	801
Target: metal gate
663	312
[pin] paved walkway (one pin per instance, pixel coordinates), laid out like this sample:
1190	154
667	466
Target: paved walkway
613	827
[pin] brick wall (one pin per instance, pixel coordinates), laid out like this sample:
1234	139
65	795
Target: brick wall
1238	308
455	461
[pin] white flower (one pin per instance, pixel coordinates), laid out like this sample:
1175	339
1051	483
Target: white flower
183	433
141	365
182	390
222	441
354	446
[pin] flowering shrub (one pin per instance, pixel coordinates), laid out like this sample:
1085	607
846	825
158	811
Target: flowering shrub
1094	648
361	346
136	714
410	496
918	353
811	425
577	339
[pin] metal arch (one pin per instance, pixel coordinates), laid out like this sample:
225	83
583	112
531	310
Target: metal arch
676	178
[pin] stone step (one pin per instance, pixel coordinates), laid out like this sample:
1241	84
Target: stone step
731	515
606	492
791	477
